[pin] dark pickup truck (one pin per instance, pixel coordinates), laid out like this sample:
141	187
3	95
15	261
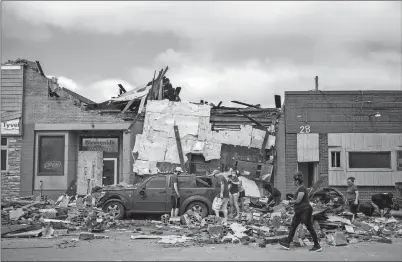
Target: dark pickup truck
153	196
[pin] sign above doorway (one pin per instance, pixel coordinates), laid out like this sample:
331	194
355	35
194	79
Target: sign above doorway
100	144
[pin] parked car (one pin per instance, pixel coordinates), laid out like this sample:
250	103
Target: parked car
153	196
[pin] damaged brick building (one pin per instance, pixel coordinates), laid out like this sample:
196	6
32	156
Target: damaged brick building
56	135
64	136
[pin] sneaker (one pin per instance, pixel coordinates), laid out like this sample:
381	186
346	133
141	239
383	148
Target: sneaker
284	245
316	248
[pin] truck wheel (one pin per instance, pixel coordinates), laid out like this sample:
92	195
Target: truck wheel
198	207
115	209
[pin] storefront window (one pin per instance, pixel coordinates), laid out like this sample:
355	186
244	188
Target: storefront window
369	159
51	155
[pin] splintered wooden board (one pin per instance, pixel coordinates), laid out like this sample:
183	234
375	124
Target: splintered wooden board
90	166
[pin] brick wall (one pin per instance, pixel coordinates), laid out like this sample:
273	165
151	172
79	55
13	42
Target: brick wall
280	159
291	161
344	112
41	109
323	153
10	179
365	192
338	112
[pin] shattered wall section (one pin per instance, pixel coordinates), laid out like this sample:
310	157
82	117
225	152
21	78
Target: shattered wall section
157	143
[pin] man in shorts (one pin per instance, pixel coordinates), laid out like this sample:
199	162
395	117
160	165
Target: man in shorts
176	195
222	183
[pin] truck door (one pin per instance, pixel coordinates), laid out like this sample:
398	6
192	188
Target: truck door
155	198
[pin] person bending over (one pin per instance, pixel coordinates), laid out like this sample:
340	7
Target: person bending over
303	214
275	195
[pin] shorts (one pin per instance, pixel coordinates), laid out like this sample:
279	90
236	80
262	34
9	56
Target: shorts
242	194
225	202
175	202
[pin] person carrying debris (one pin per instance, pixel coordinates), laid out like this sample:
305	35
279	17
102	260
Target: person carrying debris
303	214
176	195
275	196
223	194
352	196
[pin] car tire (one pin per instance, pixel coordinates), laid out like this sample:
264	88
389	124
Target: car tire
115	208
199	207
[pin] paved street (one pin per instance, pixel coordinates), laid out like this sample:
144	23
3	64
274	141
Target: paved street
120	248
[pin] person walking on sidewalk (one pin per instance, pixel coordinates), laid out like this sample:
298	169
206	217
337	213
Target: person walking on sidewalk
352	196
176	195
303	214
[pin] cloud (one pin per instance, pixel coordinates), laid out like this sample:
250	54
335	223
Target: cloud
98	91
67	83
256	81
243	50
219	20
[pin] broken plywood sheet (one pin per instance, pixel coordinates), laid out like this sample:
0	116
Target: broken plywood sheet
271	141
175	108
204	127
257	138
238	138
212	151
172	155
90	167
140	165
186	124
138	142
152	150
198	147
250	187
190	109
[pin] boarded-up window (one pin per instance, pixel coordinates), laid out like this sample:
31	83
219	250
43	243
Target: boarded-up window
369	159
399	160
335	159
51	155
4	154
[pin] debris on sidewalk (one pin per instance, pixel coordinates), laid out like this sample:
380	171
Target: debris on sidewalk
256	227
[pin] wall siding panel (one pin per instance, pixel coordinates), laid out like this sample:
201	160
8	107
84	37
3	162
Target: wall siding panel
370	143
308	148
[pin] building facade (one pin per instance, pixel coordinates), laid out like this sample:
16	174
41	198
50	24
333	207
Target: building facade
49	137
341	134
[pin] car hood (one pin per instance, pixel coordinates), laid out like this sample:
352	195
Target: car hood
118	187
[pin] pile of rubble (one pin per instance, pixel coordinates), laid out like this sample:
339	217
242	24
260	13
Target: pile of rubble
258	224
270	227
45	218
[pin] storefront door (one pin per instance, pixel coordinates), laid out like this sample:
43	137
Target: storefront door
109	171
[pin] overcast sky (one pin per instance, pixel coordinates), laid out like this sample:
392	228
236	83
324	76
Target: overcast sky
216	51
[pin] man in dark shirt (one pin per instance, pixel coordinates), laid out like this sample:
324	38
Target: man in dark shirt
222	183
175	194
275	194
